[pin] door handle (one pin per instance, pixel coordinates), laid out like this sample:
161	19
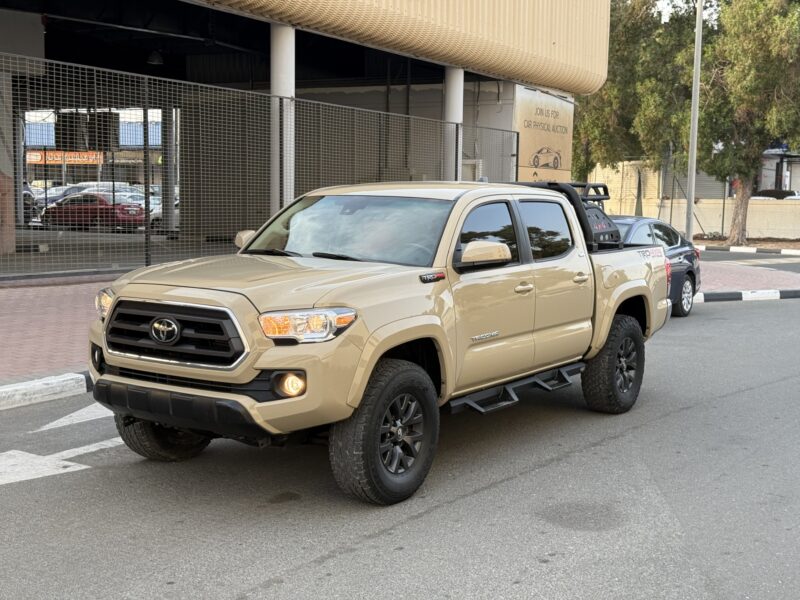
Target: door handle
580	278
523	288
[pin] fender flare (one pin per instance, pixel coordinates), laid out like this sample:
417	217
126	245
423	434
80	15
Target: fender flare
394	334
602	325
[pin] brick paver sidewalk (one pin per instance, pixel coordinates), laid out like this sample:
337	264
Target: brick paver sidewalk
45	328
727	277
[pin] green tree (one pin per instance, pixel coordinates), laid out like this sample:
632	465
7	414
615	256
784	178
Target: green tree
604	121
664	86
750	94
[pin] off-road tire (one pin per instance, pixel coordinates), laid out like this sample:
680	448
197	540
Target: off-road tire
354	444
156	442
599	380
678	310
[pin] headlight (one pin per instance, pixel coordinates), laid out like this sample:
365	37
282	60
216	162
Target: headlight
103	301
313	325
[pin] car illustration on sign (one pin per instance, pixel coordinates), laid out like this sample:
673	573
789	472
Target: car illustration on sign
546	157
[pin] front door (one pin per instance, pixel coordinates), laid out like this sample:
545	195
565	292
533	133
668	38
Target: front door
494	305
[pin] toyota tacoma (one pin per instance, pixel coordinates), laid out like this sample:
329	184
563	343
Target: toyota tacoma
359	312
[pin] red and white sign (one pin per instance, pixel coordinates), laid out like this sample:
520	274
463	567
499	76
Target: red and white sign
58	157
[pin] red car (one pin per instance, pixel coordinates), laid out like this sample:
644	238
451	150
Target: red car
93	210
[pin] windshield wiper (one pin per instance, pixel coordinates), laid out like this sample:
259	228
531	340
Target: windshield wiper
334	256
272	252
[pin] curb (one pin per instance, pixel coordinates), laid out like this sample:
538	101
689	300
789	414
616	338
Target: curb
746	295
748	250
35	391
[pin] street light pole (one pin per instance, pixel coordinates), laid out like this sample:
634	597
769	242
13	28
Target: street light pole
698	52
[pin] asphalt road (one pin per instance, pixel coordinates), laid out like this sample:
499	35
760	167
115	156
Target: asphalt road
693	494
770	261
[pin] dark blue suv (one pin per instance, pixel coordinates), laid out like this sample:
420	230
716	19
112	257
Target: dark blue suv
682	255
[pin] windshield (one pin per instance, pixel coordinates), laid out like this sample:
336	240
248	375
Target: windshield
368	228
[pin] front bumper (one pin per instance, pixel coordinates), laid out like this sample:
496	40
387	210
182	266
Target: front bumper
227	418
329	367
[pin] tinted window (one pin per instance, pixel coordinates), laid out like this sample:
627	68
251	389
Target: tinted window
547	228
643	235
491	223
666	236
623	228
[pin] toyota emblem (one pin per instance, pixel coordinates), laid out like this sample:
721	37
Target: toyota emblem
164	330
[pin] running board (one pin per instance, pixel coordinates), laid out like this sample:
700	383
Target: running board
496	398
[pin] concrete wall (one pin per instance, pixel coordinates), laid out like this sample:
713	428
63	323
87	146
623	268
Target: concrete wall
21	33
765	218
486	103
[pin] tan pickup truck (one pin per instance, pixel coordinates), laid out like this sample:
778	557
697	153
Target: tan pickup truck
358	312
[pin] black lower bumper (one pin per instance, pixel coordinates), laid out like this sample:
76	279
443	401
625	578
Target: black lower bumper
225	418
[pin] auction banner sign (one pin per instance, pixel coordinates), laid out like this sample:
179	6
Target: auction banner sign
544	123
57	157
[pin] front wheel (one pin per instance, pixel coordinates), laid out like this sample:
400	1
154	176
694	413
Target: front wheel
612	379
685	303
383	452
156	442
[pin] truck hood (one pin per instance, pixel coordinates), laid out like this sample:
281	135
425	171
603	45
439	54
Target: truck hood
269	282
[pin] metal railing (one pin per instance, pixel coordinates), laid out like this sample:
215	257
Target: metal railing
103	170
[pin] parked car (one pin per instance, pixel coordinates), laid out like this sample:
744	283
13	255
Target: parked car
55	194
362	310
774	194
546	157
157	219
30	212
93	210
683	256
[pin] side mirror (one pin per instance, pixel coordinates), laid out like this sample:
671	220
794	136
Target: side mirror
243	237
482	253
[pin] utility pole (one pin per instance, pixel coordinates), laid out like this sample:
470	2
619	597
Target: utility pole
698	53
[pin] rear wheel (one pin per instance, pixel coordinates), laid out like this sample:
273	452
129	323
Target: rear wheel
157	442
685	303
612	379
384	451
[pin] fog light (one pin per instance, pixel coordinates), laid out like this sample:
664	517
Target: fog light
291	384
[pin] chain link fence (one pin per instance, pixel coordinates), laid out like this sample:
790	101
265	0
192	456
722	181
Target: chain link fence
108	171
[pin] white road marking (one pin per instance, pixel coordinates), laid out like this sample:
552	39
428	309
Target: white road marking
748	249
761	295
90	413
699	298
16	465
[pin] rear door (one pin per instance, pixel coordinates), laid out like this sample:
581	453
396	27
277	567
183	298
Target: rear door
494	305
564	282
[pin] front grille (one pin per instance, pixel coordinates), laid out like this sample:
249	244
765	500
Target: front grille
208	336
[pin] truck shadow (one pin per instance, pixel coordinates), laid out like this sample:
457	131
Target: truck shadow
277	480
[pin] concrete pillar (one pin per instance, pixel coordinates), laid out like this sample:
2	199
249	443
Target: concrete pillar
8	232
168	168
453	113
282	88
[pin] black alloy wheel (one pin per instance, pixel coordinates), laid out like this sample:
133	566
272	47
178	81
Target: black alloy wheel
402	432
627	362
